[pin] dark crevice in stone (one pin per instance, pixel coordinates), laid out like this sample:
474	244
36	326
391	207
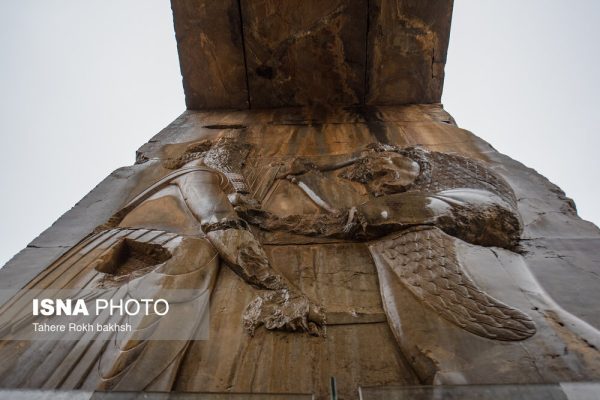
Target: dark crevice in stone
366	81
244	52
264	71
225	126
33	246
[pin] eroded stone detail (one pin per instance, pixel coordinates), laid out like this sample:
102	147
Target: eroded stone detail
129	259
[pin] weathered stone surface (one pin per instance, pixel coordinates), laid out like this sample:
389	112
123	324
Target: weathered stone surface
301	52
211	54
407	45
568	269
296	53
234	357
26	265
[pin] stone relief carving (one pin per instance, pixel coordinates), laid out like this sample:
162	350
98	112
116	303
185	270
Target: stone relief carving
172	236
424	260
400	188
329	244
414	210
416	193
210	178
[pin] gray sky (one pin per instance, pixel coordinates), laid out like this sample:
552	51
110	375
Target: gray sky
86	82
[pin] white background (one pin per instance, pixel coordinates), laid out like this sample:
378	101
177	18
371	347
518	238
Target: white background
84	83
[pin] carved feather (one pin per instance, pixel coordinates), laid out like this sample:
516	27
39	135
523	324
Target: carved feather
424	259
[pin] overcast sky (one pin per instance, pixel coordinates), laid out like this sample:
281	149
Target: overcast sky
83	83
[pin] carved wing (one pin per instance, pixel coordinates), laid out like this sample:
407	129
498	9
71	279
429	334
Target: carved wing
425	261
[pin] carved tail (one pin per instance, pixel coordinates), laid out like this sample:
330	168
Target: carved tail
424	260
